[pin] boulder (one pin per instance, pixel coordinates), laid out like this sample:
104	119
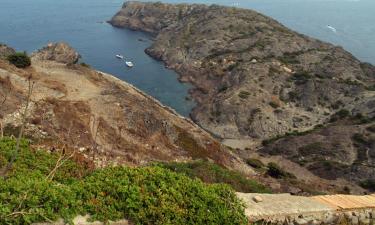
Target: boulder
59	52
5	51
257	199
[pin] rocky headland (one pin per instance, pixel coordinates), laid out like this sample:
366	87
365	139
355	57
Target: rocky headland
261	86
254	78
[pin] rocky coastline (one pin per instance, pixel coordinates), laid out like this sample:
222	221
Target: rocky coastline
262	87
245	65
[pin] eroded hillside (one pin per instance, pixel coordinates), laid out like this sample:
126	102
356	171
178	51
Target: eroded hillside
106	119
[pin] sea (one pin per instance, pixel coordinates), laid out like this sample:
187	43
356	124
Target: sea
29	25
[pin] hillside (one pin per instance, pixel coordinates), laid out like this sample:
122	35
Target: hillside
107	120
254	78
343	149
267	90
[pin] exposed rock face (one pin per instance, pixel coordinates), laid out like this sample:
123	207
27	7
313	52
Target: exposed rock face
254	78
5	51
107	120
59	52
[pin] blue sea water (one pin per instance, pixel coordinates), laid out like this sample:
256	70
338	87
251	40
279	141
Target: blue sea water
31	24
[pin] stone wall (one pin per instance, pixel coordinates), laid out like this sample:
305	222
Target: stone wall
286	209
354	217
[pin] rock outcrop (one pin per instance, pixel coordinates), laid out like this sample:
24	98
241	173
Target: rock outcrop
5	51
59	52
255	79
104	119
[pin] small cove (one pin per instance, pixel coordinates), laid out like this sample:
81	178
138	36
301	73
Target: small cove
29	25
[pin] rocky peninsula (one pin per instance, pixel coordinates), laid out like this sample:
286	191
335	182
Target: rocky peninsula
261	86
254	77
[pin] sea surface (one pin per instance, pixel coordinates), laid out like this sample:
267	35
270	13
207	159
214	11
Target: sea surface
31	24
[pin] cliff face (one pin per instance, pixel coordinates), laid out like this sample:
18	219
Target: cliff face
104	118
254	78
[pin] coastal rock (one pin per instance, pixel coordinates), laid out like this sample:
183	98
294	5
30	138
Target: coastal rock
296	83
59	52
5	51
256	80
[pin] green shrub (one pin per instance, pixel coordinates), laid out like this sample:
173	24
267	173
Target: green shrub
361	139
145	195
20	59
274	104
85	65
359	118
289	58
337	104
341	114
244	94
153	195
368	184
29	197
277	172
301	77
348	81
212	173
256	163
293	96
222	88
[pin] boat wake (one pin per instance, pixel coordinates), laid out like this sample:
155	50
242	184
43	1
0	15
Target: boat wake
332	28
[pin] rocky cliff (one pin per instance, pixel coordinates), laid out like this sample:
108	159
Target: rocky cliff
258	81
107	120
254	78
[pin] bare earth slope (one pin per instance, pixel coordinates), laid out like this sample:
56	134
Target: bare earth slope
254	78
107	119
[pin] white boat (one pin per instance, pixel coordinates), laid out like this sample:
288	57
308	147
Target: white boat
120	56
331	28
129	64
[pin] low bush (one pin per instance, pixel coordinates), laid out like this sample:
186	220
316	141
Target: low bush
368	184
277	172
274	104
244	94
213	173
85	65
361	139
144	195
301	77
19	59
256	163
289	58
341	114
